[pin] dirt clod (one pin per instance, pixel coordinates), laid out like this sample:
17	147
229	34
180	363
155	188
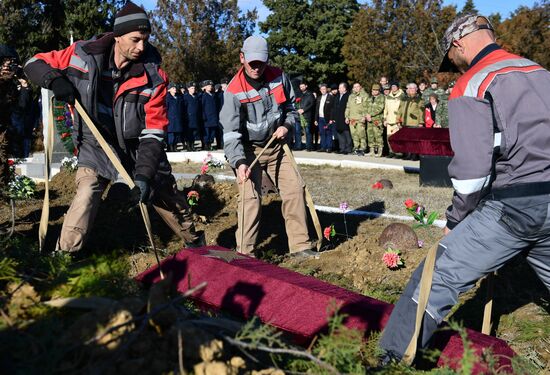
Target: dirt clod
387	184
398	236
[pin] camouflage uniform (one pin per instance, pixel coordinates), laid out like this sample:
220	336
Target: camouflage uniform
429	91
375	127
442	112
411	111
443	108
355	112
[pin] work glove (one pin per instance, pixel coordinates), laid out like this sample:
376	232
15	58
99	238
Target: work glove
64	90
142	189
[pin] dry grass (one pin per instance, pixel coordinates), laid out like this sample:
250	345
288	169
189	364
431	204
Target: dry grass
331	185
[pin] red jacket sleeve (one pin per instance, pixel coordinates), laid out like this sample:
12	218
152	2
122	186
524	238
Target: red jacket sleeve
151	139
43	68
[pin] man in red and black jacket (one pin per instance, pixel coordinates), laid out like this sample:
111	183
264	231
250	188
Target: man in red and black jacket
117	78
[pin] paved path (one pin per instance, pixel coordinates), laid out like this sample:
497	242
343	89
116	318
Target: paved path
36	170
313	158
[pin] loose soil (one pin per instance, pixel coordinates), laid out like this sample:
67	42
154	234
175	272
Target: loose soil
352	259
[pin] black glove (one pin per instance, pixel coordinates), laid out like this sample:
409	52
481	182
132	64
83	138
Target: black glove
142	184
64	90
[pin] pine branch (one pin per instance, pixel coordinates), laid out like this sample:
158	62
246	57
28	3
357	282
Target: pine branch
294	352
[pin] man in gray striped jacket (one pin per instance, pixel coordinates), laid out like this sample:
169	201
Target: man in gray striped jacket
499	120
259	104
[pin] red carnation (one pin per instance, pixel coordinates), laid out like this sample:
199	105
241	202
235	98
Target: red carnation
378	185
326	233
65	135
11	162
409	203
60	118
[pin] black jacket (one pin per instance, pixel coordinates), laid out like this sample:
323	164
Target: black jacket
327	110
339	112
308	105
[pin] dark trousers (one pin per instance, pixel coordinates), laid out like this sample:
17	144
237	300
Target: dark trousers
192	135
210	134
219	137
344	140
297	136
484	241
325	131
174	138
309	137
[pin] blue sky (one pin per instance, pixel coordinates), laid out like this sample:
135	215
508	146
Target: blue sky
486	7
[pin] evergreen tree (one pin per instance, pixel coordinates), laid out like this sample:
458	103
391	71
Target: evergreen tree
397	38
527	33
34	26
330	21
306	37
200	39
468	8
291	35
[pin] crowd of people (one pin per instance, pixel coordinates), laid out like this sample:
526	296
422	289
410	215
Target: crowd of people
336	120
331	119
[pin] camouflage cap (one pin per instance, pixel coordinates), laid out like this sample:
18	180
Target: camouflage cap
376	86
461	26
386	87
434	80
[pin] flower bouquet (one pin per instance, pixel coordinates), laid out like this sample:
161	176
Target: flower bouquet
420	214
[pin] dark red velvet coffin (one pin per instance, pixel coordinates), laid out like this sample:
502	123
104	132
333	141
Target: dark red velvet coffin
295	303
422	141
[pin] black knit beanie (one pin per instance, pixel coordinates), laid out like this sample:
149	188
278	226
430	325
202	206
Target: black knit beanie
131	18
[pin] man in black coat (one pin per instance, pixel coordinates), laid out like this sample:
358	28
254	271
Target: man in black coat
307	110
339	119
323	117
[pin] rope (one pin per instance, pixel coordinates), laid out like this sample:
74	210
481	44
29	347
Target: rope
241	219
48	153
309	199
122	171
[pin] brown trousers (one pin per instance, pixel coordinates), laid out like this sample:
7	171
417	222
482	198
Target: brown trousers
169	203
277	165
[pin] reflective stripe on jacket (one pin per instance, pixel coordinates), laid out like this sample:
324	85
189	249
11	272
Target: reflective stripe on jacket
249	116
500	107
139	105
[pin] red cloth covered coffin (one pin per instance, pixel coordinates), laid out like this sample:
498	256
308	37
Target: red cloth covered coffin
422	141
294	303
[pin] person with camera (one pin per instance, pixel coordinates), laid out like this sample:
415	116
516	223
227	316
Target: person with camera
8	98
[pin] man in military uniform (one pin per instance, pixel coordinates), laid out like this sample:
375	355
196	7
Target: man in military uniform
443	108
433	89
355	117
375	121
411	112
